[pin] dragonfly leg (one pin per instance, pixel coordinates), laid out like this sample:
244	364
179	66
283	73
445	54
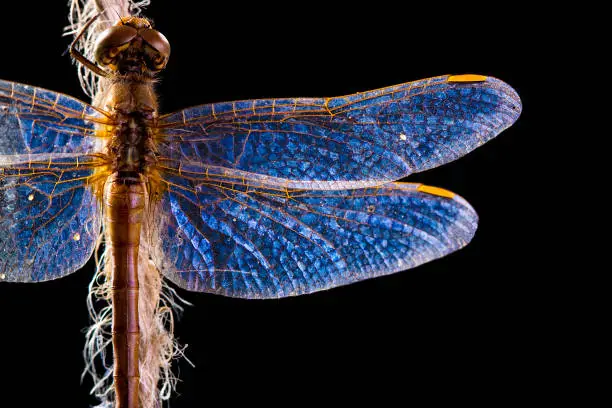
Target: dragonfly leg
77	55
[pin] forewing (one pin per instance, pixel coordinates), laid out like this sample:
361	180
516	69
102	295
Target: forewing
49	223
255	243
41	125
344	142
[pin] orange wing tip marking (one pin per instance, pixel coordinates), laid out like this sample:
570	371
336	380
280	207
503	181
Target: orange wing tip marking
436	191
467	78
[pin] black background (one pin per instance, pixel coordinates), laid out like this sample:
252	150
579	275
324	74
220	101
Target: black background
467	327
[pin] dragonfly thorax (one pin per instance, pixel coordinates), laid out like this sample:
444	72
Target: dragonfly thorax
131	146
133	109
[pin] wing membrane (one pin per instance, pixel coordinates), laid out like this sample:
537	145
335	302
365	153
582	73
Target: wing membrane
344	142
49	223
262	243
43	124
49	217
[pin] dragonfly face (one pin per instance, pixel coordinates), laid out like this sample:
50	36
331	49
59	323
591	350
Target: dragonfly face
132	46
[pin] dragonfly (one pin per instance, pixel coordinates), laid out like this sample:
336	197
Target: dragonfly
250	199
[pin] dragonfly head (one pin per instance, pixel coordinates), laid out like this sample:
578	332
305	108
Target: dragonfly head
132	46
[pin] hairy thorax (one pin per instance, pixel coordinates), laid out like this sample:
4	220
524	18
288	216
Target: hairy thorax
133	106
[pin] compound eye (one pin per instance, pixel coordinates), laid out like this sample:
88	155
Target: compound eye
157	41
155	60
112	41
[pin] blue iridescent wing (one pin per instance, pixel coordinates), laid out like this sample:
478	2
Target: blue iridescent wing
344	142
239	241
49	217
49	223
37	124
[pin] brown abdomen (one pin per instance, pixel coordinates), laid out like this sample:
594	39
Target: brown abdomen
124	202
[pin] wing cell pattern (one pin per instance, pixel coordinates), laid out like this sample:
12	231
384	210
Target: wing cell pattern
366	138
37	124
49	217
49	223
255	243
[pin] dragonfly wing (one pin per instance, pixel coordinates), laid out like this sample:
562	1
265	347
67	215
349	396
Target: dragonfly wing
49	218
49	223
265	243
43	124
351	141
